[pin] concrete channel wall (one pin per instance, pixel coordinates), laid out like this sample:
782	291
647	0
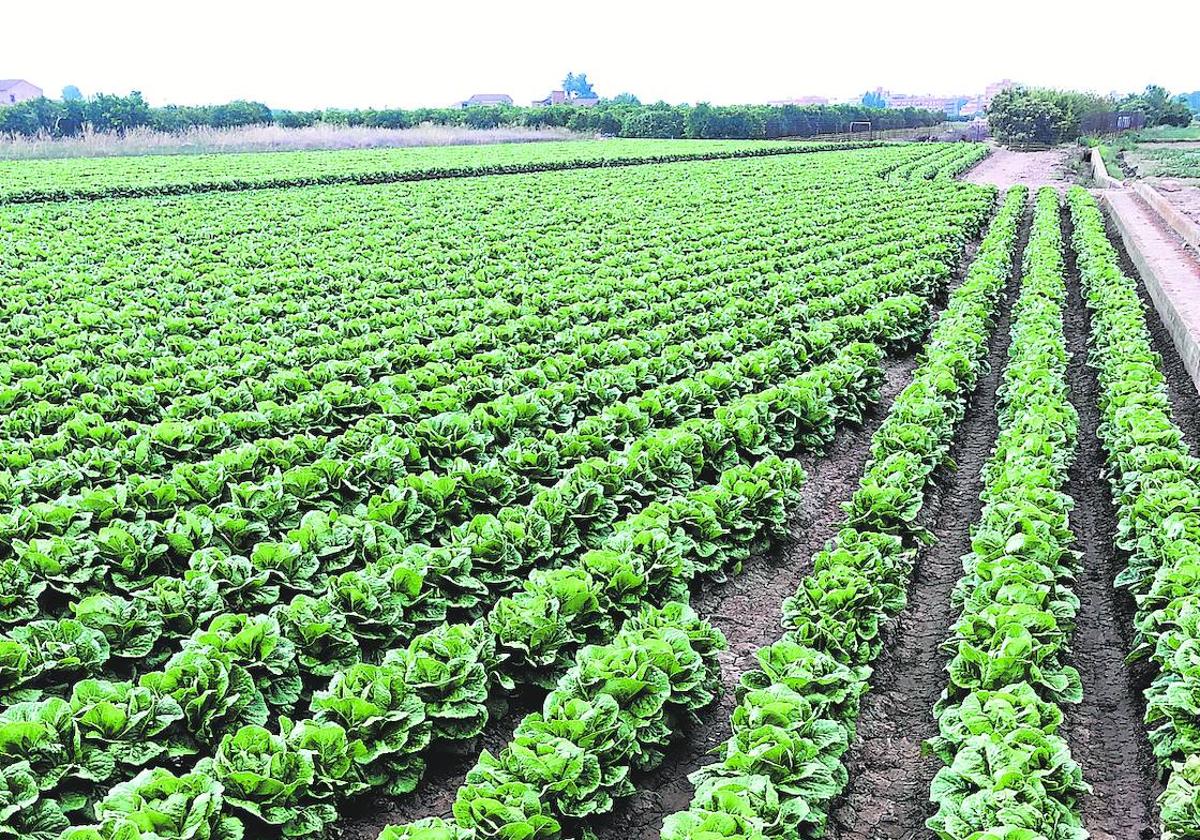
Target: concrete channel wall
1100	172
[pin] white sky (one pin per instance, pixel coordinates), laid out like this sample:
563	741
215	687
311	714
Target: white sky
401	53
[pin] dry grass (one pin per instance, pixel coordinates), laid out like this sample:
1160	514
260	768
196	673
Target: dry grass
266	138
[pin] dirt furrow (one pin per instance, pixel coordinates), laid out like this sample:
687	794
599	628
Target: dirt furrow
1105	730
747	610
889	778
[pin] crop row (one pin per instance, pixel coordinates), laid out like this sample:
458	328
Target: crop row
55	181
234	509
1166	162
1007	767
781	767
1155	485
950	161
386	564
146	530
143	339
330	556
389	713
88	450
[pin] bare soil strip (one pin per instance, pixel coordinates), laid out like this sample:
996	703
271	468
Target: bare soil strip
747	610
1005	168
888	796
1105	731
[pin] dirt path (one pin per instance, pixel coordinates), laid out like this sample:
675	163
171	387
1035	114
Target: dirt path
888	796
747	609
1005	168
1105	730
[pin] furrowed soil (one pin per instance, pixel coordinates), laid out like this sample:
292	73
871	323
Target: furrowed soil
889	777
746	608
1105	730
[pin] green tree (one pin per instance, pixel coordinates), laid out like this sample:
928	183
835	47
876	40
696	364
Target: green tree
624	98
107	112
70	93
1020	117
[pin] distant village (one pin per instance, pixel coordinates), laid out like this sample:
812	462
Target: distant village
960	105
13	91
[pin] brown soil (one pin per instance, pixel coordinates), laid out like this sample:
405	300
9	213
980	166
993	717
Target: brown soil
1005	168
1105	730
889	778
365	818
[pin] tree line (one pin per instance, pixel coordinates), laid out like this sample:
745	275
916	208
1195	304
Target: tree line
1042	116
622	117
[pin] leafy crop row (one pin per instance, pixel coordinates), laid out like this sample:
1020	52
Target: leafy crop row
232	551
327	550
377	720
1155	484
143	347
1166	162
781	768
948	162
90	180
1009	773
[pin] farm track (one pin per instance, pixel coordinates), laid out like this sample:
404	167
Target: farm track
1105	730
889	777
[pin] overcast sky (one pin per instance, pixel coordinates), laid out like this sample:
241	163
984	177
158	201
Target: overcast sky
405	54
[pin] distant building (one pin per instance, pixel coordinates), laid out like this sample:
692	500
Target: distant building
486	99
946	104
801	100
13	91
560	97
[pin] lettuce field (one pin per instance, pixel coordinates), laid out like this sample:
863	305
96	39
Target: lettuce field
588	490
